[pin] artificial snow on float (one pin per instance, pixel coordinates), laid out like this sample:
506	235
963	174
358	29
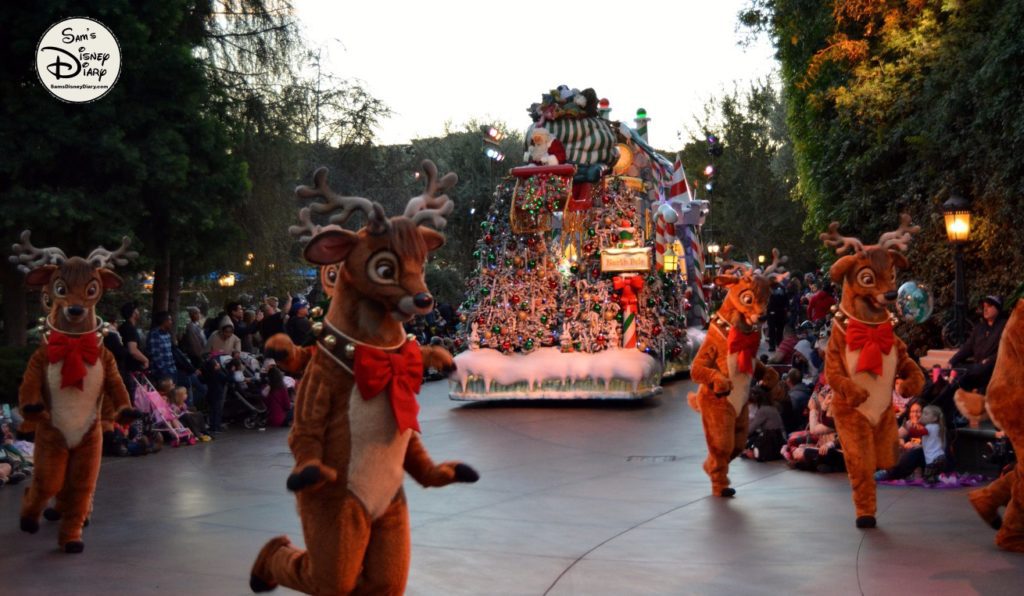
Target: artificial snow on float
549	373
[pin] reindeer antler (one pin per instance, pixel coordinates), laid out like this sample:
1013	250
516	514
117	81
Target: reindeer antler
28	257
431	207
102	258
729	266
900	238
777	262
840	243
376	220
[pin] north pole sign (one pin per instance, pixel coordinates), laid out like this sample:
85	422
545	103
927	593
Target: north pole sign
620	260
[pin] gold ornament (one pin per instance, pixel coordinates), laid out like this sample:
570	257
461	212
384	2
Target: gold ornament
318	328
462	318
330	341
609	314
350	351
410	337
522	315
488	335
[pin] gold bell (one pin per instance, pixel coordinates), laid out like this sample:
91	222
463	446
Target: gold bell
410	337
316	312
318	328
330	341
350	351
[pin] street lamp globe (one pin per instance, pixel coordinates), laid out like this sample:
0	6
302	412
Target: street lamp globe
957	213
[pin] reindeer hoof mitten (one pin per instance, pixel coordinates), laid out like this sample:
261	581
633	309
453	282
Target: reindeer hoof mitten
864	358
1004	401
727	363
355	431
70	382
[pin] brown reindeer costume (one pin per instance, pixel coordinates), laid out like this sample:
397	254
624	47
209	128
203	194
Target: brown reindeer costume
355	412
864	358
70	384
1004	400
727	363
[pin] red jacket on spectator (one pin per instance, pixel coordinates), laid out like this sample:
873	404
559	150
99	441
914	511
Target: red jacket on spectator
819	305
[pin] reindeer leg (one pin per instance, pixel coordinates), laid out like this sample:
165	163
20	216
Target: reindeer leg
82	472
51	461
386	565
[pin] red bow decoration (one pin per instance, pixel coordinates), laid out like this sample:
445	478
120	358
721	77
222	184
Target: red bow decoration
872	341
629	285
401	373
75	351
746	344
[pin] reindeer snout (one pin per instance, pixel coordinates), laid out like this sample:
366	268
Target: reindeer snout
423	300
891	295
76	311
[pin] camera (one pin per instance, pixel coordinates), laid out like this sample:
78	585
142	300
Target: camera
999	452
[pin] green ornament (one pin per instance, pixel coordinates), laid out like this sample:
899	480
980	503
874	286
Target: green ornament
591	232
528	344
492	258
496	329
476	254
485	225
531	263
577	345
618	317
650	302
508	262
574	269
597	308
544	319
484	291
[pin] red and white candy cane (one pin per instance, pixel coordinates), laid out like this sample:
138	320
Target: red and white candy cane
664	233
629	285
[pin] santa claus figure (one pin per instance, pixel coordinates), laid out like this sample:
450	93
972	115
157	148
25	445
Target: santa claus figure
544	149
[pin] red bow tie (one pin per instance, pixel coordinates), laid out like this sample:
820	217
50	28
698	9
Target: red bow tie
75	351
872	341
401	373
746	344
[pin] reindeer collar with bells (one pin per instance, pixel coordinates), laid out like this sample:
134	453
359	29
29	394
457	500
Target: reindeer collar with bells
341	348
841	318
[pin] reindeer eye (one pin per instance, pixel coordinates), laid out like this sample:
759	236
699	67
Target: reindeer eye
747	298
93	290
60	289
383	268
866	278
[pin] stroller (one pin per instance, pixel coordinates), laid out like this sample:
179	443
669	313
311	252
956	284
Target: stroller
158	415
243	401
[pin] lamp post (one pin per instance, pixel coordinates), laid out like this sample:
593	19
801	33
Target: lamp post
713	250
957	214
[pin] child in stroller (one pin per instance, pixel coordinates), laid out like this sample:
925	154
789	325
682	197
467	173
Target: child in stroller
244	399
157	409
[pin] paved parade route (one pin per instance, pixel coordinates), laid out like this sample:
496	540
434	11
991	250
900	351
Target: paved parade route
574	498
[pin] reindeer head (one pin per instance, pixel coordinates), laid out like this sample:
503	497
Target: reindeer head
379	267
868	274
747	299
71	287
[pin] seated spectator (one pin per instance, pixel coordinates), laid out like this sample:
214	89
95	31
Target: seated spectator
193	420
923	442
799	394
277	399
817	448
976	358
900	401
224	341
765	436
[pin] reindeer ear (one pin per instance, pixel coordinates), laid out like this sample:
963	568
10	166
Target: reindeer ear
840	267
111	280
899	260
433	238
330	246
40	276
725	280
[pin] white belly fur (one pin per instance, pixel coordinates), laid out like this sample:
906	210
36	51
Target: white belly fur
740	393
72	410
376	467
879	387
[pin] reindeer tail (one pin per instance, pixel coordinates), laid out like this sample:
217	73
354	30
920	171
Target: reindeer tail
691	398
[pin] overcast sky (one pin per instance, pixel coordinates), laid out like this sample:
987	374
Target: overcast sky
447	60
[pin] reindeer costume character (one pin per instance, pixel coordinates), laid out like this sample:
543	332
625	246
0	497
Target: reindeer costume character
864	358
70	384
355	413
1004	401
727	363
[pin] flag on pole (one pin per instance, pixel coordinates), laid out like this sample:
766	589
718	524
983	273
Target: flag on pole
678	189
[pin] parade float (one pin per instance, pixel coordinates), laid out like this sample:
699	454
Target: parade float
589	276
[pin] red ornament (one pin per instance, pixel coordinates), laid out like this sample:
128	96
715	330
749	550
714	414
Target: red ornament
488	239
595	272
506	346
677	333
515	299
568	312
656	330
552	284
601	340
531	240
